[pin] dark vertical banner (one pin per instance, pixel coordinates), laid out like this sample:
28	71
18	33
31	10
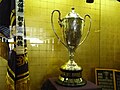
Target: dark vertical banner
4	13
4	27
17	70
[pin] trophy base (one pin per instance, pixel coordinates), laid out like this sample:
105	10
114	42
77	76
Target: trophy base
71	79
71	75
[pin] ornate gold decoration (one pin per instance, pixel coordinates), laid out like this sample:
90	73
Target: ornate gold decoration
20	61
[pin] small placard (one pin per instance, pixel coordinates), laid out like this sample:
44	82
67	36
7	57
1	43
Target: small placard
105	78
108	79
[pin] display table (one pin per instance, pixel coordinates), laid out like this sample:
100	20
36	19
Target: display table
50	84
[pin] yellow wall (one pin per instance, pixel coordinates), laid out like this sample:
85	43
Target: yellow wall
109	35
47	54
101	49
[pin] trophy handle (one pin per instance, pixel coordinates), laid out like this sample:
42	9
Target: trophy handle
88	29
60	23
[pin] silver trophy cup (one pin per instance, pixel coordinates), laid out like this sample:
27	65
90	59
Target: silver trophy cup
72	26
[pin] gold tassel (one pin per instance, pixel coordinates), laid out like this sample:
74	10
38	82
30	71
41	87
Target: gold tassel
10	83
23	85
20	85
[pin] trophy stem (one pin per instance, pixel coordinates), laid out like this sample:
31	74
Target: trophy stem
71	56
71	63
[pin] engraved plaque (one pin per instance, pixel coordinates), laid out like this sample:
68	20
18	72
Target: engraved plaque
105	78
108	79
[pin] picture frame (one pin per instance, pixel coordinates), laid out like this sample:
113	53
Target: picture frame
108	79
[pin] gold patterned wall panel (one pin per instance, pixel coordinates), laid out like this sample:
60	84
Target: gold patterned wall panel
47	54
109	34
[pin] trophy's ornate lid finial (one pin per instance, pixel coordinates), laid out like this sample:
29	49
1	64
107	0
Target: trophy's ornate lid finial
73	14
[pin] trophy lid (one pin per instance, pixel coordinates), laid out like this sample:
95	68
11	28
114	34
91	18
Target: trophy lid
73	14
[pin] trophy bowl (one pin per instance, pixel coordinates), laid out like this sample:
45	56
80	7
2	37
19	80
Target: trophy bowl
72	26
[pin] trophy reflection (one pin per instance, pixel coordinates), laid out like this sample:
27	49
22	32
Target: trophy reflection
72	26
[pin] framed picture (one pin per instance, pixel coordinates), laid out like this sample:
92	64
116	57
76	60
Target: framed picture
105	78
